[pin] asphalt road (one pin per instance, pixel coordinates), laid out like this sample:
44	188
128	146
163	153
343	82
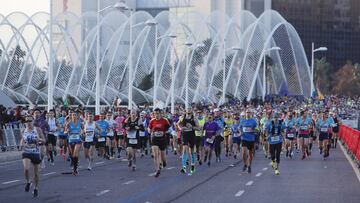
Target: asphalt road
310	180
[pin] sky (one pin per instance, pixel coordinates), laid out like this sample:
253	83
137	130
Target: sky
27	6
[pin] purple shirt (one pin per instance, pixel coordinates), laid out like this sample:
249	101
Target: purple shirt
211	129
43	125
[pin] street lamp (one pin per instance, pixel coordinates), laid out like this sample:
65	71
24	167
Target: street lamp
222	100
118	5
189	44
312	64
264	71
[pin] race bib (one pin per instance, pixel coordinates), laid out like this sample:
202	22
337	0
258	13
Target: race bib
133	141
101	139
324	130
89	136
275	138
236	135
304	127
142	133
158	134
131	134
32	149
248	130
291	135
208	140
74	137
110	133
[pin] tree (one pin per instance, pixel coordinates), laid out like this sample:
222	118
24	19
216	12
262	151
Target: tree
347	81
323	77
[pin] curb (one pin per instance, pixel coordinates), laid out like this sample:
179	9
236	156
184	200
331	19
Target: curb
16	155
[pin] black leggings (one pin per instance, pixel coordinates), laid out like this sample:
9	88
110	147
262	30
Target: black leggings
275	150
217	145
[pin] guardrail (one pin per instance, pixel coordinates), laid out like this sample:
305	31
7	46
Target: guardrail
351	139
10	137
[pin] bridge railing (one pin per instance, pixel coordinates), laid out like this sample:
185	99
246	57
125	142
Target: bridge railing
351	139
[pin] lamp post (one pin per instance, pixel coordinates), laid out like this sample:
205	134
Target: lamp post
264	69
312	64
119	5
51	62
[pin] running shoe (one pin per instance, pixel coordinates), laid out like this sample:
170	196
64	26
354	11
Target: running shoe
35	193
157	174
27	187
277	172
164	164
183	170
192	170
244	168
249	169
273	165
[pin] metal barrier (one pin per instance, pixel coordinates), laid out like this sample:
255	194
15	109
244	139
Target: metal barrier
351	139
10	137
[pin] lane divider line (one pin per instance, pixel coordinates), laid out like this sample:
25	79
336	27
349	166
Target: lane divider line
152	174
264	169
258	174
128	182
100	162
12	181
238	194
249	183
46	174
102	192
169	168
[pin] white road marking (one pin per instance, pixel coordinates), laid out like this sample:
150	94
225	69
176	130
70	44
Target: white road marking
46	174
238	194
169	168
249	183
258	174
101	162
124	160
152	174
325	166
12	181
102	192
264	169
128	182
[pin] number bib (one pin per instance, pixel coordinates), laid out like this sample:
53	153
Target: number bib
324	130
275	138
247	129
236	135
304	127
131	134
158	134
208	140
290	135
101	139
74	137
89	137
32	149
142	134
133	141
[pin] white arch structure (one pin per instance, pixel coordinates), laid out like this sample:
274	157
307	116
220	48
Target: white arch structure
238	47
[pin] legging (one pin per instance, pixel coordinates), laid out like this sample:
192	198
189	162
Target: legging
275	150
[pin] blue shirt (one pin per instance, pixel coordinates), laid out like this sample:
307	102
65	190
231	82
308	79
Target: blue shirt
235	129
324	125
103	126
248	129
61	121
276	137
290	123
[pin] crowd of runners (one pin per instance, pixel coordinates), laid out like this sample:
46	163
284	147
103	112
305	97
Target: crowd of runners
199	135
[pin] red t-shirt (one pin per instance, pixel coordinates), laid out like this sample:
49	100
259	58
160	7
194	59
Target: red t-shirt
161	125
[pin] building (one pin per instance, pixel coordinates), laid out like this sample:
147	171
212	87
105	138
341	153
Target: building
332	23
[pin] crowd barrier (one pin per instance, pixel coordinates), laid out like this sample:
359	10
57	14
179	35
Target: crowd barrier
351	139
10	137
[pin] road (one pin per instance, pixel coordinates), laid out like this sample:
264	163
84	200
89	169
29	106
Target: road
310	180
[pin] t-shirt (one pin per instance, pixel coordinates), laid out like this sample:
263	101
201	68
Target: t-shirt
159	127
248	129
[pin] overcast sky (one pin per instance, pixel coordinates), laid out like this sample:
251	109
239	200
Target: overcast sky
27	6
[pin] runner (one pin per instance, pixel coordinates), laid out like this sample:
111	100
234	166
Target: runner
144	135
248	125
304	125
219	138
104	128
89	144
335	129
187	125
31	139
157	128
211	129
74	128
274	131
227	133
110	139
63	139
51	138
40	122
324	125
120	132
199	137
133	126
236	136
290	132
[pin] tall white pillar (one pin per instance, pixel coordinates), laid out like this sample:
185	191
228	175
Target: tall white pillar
267	4
51	61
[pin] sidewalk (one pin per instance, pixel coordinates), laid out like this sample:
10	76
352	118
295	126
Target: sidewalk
10	156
